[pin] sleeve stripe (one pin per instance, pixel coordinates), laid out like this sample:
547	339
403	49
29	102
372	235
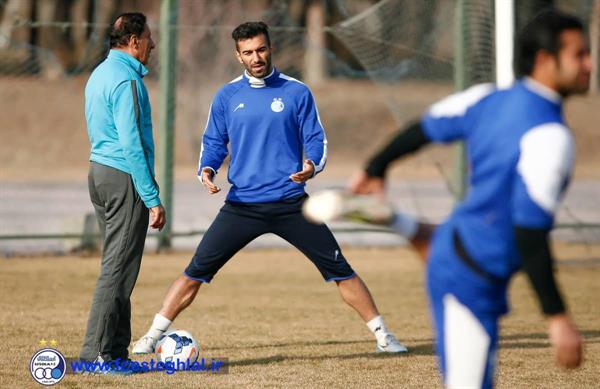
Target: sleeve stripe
323	160
546	159
318	167
458	103
202	143
138	121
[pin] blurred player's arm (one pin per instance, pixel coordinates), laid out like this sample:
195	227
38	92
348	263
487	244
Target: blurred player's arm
538	263
214	146
544	165
408	140
371	180
444	122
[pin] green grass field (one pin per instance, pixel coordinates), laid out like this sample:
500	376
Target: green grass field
280	325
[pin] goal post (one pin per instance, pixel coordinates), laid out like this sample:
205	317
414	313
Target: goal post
505	36
504	33
166	114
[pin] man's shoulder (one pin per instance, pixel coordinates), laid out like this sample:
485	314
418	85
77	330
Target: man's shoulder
293	84
112	72
226	91
457	104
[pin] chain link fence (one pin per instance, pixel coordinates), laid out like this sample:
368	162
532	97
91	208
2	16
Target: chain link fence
372	65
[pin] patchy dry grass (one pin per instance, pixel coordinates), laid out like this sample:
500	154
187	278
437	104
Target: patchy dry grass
269	312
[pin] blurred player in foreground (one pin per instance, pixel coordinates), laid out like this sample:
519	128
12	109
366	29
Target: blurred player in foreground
521	156
268	119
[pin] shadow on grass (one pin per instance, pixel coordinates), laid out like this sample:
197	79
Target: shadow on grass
291	344
587	334
307	343
520	340
425	348
419	349
516	341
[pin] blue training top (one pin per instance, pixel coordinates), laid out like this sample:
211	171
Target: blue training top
119	121
520	156
268	124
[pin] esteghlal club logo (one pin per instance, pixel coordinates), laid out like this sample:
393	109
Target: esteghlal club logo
48	366
277	105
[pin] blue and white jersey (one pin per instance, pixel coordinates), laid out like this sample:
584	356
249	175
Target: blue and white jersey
268	124
520	156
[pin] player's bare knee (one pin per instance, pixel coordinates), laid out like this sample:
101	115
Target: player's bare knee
348	281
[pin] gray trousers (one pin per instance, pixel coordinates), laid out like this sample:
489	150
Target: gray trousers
123	220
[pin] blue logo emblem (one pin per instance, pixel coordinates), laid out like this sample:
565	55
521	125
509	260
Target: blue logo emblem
48	366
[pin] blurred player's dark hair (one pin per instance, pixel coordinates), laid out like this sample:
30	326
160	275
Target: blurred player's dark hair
249	30
125	26
542	33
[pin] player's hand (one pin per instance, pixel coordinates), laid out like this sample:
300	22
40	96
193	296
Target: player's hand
158	217
566	341
361	183
308	170
207	180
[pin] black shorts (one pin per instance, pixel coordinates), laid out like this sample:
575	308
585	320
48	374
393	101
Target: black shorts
237	224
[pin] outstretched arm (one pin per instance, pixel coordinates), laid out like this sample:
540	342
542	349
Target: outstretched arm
444	122
372	179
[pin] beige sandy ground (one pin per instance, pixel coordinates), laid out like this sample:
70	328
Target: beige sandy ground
43	134
268	311
280	326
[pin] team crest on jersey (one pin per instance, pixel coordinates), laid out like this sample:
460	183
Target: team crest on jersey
277	105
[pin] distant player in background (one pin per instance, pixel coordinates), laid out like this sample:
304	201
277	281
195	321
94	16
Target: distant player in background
121	182
521	156
268	120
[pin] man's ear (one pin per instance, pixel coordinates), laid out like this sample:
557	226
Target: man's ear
239	57
544	58
134	41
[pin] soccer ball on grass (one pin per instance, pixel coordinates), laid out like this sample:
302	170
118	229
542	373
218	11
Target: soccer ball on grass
178	345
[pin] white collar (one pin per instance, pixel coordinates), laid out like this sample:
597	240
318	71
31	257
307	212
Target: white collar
542	90
256	82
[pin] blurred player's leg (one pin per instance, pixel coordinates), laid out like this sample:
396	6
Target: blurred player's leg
465	342
421	240
465	314
469	344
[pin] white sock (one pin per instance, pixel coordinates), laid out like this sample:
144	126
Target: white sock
159	325
377	326
405	225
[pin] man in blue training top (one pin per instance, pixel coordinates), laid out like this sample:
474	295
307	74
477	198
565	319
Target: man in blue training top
121	182
268	120
521	156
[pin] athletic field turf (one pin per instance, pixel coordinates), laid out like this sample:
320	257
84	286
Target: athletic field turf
280	325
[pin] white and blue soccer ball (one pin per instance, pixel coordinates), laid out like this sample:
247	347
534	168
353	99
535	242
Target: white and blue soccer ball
176	346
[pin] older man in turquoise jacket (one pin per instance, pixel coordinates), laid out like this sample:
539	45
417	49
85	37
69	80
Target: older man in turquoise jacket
121	182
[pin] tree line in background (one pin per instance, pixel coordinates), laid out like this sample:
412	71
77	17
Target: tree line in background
52	38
